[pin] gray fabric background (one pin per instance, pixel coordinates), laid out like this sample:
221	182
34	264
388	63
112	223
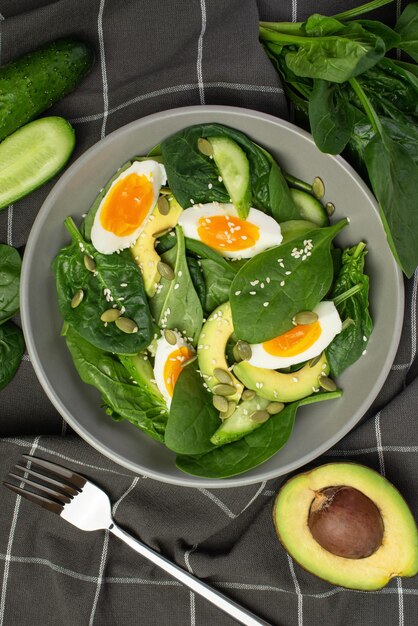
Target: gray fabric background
50	573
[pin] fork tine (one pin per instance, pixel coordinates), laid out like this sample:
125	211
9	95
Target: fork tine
58	470
33	497
46	491
50	481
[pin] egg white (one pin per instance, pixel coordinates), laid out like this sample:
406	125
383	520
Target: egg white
330	322
104	240
269	229
162	354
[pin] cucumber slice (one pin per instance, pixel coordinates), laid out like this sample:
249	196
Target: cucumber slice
309	207
295	228
234	169
32	155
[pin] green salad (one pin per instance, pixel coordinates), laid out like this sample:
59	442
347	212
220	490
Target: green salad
204	297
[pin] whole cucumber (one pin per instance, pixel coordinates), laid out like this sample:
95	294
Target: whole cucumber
33	83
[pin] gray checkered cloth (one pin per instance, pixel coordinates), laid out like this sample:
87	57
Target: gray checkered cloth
153	56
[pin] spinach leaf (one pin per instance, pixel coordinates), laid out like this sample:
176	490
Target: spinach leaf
257	447
193	419
336	58
407	28
194	176
12	347
197	279
331	116
87	224
394	179
205	252
176	305
390	38
348	346
318	25
112	271
127	400
295	277
218	284
10	266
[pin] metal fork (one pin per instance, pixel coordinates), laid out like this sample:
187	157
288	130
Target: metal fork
82	503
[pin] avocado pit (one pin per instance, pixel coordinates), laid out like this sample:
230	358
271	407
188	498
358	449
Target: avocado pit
345	522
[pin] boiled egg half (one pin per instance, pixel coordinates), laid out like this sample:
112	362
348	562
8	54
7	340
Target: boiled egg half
219	227
300	343
125	208
169	359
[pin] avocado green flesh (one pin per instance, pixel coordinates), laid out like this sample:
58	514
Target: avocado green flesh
212	345
140	369
32	155
240	423
398	554
234	169
276	386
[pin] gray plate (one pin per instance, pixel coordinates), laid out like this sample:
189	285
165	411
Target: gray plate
317	427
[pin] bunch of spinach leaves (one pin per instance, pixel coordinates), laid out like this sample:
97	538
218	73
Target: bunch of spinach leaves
356	99
12	344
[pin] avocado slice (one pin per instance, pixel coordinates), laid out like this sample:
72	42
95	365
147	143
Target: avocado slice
211	347
143	251
276	386
396	552
240	422
234	169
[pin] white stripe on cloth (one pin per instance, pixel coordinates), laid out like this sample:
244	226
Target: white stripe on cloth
10	225
10	540
24	444
218	502
177	89
404	449
294	10
298	592
200	53
192	595
103	68
104	552
414	320
379	444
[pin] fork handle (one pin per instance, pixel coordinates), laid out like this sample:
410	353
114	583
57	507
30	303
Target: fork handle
218	599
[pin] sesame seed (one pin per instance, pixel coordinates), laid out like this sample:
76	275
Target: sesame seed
220	178
124	284
282	283
180	274
364	338
210	186
237	293
252	293
288	273
176	286
348	220
244	237
262	285
266	304
191	201
364	352
295	379
254	283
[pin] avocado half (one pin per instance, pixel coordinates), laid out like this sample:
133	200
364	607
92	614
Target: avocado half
359	509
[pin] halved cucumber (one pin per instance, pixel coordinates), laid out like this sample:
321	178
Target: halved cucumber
32	155
309	207
234	169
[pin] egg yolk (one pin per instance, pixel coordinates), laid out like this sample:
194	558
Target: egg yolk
294	341
227	233
172	367
127	205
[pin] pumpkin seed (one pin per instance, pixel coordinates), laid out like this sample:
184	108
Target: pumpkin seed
327	383
89	263
225	414
170	337
305	317
274	407
223	375
236	354
243	350
110	315
204	146
224	390
77	298
330	208
165	270
248	394
163	205
259	417
220	403
318	188
315	360
165	191
126	325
